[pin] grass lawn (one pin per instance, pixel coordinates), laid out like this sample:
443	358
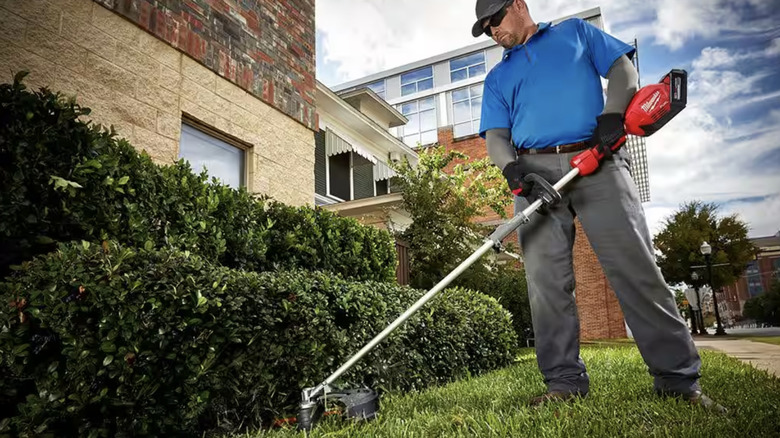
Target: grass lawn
621	403
766	339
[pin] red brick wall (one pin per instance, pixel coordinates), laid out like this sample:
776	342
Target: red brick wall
265	47
599	311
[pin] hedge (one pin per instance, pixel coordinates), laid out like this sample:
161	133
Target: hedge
65	179
102	340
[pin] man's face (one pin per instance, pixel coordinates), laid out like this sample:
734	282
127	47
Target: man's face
508	26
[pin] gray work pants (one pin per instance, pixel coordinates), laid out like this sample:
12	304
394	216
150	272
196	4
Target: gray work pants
608	207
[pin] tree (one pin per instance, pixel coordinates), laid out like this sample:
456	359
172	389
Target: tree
444	195
684	232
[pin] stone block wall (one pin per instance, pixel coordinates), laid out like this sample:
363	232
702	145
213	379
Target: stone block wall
144	86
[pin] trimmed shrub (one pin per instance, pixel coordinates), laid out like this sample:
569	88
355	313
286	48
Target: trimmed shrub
64	179
103	340
507	284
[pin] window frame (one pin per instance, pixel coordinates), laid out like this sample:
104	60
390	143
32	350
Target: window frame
469	99
243	146
468	67
419	132
417	81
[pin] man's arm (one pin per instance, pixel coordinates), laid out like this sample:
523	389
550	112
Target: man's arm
499	147
610	134
623	84
501	151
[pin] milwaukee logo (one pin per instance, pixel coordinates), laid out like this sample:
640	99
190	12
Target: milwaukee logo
652	102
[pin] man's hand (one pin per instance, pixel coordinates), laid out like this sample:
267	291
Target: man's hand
514	177
610	135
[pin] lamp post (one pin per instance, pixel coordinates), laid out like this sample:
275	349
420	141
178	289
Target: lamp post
700	312
706	250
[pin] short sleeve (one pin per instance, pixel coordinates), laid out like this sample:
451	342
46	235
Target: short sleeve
604	48
495	111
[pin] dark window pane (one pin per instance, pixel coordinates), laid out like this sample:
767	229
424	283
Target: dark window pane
381	187
339	176
363	174
320	186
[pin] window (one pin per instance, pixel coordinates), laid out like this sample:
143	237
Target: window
468	66
754	279
378	87
221	159
347	168
421	127
382	187
418	80
341	176
466	110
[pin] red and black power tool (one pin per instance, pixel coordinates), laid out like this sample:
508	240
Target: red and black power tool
651	108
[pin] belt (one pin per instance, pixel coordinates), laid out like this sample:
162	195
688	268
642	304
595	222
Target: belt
561	149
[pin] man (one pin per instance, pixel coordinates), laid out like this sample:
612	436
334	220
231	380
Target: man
541	105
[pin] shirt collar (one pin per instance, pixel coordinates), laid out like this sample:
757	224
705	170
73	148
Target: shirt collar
543	26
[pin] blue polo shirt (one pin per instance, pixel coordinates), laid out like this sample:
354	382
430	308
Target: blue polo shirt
548	91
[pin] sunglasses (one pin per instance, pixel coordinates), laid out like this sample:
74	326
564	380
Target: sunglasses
495	20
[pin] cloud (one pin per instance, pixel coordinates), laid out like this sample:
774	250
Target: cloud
363	37
711	154
763	214
718	57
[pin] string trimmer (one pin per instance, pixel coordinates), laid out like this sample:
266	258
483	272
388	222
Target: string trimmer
651	108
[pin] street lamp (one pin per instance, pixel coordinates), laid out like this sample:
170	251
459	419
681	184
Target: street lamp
706	249
700	312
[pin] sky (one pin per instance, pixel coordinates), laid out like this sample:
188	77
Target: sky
723	148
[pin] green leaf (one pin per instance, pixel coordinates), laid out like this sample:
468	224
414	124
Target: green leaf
108	347
122	181
62	183
44	240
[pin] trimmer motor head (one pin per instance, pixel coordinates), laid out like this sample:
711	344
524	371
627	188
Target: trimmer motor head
654	105
359	404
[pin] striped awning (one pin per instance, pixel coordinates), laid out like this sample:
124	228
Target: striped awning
336	145
382	171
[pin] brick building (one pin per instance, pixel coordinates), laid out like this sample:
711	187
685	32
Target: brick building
757	278
441	98
222	83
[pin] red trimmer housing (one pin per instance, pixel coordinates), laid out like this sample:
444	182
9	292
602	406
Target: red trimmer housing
654	105
651	108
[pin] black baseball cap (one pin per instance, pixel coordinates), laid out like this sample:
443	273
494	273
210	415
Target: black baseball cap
484	9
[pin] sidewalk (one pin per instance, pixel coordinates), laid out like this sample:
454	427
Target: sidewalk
760	355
